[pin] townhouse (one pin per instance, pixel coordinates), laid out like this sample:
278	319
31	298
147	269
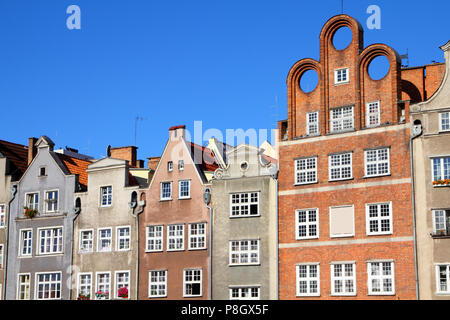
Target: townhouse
41	223
345	198
105	228
431	164
174	248
244	237
13	163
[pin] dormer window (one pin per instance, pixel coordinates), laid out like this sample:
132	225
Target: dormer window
170	166
42	172
341	76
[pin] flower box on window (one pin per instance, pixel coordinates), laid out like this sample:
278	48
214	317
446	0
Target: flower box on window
123	293
102	294
30	213
441	182
84	297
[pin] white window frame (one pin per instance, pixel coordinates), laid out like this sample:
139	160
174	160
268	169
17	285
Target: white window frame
236	252
381	277
180	196
378	218
180	165
308	279
307	223
340	167
117	283
377	162
341	119
376	114
441	127
59	241
89	285
29	242
81	241
51	282
170	166
441	167
158	283
23	285
157	247
188	282
312	124
195	234
99	240
248	290
162	190
444	219
241	203
306	171
54	202
447	277
2	254
98	283
336	76
175	237
124	238
108	195
343	278
2	215
34	205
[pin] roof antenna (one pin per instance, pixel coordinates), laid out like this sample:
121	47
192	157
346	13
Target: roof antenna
135	127
405	57
342	6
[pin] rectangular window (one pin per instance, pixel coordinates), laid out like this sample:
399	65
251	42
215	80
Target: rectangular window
441	170
123	238
154	239
342	221
306	170
312	123
244	204
377	162
51	198
181	165
84	285
23	286
166	190
441	222
444	122
244	293
184	187
2	215
343	279
102	291
106	196
32	201
48	286
192	283
442	278
1	256
307	224
379	218
340	166
308	280
373	114
51	240
25	243
244	252
104	240
175	237
381	278
122	284
197	236
170	166
341	76
157	284
86	240
341	119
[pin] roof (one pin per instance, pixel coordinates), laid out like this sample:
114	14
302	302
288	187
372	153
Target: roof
177	127
17	154
203	157
75	166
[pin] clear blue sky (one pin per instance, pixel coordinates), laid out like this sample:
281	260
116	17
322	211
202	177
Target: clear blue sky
174	62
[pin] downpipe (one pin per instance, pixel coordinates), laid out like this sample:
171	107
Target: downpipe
133	205
13	196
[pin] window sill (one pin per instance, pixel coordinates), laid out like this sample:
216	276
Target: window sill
156	297
344	179
197	249
378	234
163	200
340	131
377	176
343	295
24	257
175	250
153	251
185	198
247	216
50	254
308	295
307	238
305	183
381	294
244	265
341	83
441	185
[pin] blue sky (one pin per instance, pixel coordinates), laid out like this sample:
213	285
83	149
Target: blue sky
174	62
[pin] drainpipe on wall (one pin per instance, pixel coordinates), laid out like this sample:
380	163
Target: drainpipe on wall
133	205
76	211
210	251
13	196
276	240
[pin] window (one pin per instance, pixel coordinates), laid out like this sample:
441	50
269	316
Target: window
379	218
341	76
2	215
25	242
342	221
51	240
42	172
23	286
343	280
157	284
312	123
306	224
184	187
51	198
441	219
104	240
341	119
381	278
244	252
86	240
442	278
48	286
192	283
123	238
340	166
85	285
308	280
154	238
106	196
166	190
170	166
181	165
377	162
373	114
244	293
122	284
444	121
306	170
103	286
197	236
1	256
32	201
244	204
441	169
175	237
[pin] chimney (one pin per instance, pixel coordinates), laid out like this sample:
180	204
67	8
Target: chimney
176	132
32	150
153	163
125	153
140	163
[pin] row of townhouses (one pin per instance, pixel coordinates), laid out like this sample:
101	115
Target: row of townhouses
352	201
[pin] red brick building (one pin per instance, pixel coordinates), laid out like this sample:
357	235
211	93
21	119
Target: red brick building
345	213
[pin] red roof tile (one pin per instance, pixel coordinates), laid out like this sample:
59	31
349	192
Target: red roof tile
76	166
207	162
16	153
